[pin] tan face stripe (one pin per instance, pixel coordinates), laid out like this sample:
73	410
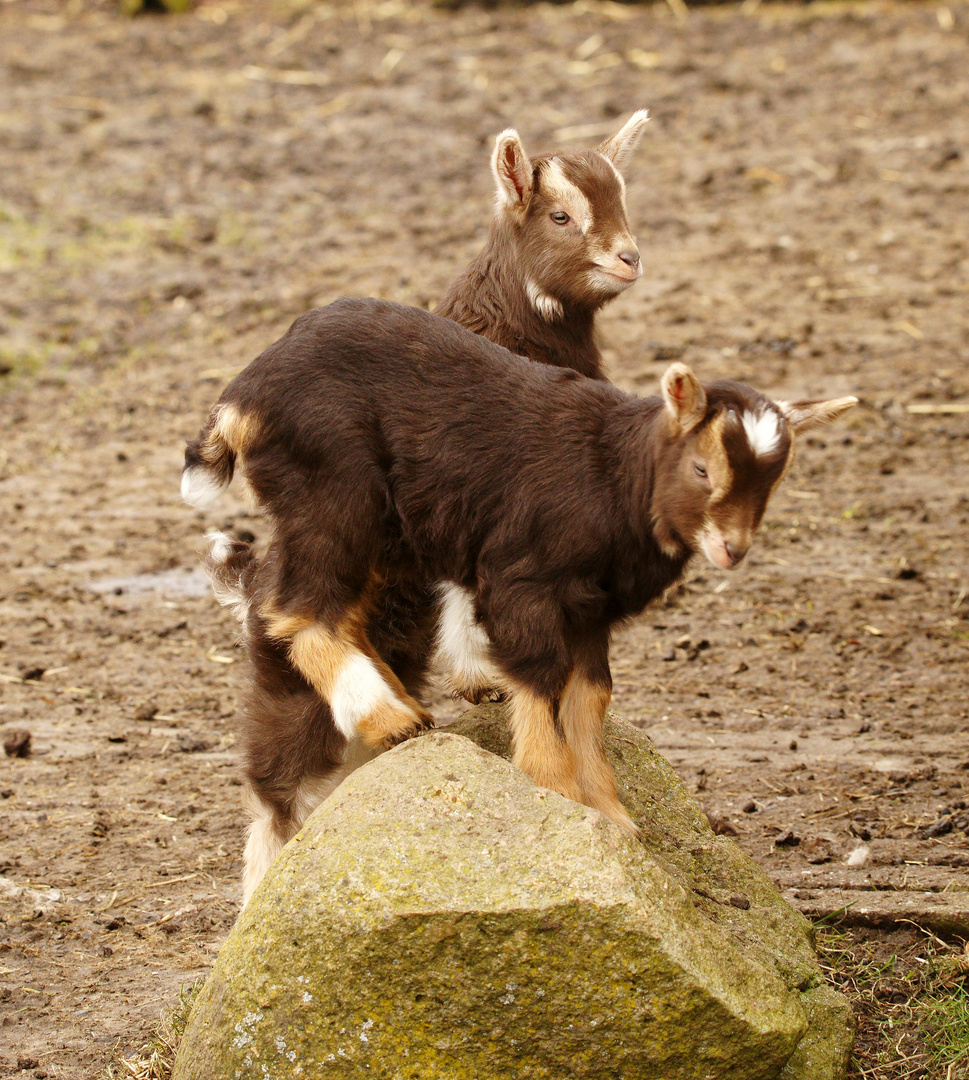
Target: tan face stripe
557	187
711	447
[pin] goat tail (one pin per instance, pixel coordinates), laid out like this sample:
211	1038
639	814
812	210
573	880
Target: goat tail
231	564
210	459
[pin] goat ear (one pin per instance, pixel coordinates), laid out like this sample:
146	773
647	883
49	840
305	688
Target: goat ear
804	415
512	169
686	400
619	148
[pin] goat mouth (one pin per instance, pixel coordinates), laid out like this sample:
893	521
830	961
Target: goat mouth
623	279
716	552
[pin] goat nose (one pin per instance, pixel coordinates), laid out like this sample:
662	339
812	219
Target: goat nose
735	552
631	258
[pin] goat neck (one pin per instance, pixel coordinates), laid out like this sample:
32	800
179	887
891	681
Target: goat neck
496	298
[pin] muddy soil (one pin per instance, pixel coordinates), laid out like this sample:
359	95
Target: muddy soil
175	190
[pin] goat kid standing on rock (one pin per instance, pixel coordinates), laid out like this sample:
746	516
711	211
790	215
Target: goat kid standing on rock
559	249
386	444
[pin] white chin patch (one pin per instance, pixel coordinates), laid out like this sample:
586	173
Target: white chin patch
547	306
763	431
200	488
609	282
715	551
358	690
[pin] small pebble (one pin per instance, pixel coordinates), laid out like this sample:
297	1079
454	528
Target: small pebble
16	743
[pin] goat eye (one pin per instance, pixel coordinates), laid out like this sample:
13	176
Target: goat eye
700	470
560	218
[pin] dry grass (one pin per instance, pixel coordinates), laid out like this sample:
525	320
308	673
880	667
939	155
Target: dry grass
156	1059
910	992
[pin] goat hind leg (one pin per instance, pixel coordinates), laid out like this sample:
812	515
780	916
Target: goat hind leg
267	835
338	661
462	648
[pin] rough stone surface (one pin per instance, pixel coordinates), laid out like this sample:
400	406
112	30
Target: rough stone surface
442	918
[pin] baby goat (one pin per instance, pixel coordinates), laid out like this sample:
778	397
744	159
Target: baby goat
386	444
559	249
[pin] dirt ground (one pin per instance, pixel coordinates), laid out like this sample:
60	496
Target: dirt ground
175	190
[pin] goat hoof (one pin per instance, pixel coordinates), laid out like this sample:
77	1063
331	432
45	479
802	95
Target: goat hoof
478	695
420	726
488	695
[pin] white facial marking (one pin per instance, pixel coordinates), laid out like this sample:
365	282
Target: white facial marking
763	431
200	487
358	689
620	178
462	645
712	545
547	306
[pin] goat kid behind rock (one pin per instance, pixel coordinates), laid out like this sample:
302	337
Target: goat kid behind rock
386	444
559	249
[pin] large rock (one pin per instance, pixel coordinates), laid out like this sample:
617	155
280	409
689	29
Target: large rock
442	918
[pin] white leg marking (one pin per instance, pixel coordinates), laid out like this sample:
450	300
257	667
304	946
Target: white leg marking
225	585
314	789
358	689
262	847
200	488
221	547
264	842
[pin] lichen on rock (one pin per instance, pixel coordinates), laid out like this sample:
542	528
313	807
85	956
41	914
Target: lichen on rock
440	917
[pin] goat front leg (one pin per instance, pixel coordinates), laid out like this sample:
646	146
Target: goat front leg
540	747
582	712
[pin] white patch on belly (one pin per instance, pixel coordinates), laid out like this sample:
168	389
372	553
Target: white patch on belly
358	690
463	649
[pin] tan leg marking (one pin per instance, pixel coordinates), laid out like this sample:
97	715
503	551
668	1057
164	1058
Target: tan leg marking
539	750
365	696
582	711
